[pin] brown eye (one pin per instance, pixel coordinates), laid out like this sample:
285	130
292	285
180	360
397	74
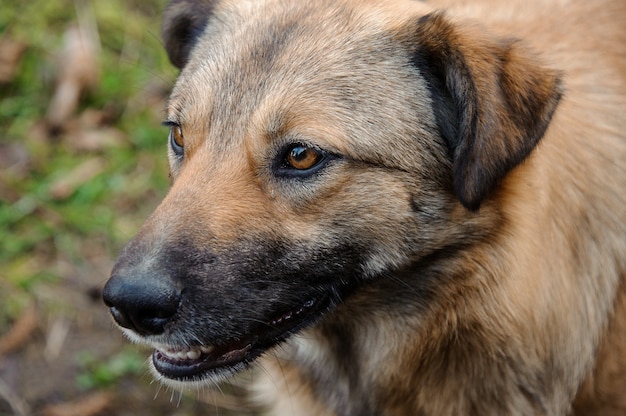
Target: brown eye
176	140
302	161
301	157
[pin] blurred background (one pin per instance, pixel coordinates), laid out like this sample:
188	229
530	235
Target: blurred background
83	162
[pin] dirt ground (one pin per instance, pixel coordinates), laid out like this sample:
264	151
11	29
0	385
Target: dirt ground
53	350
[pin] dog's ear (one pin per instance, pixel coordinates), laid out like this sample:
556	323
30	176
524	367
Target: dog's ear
183	22
492	100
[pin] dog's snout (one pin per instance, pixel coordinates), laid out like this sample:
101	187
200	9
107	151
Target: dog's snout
142	304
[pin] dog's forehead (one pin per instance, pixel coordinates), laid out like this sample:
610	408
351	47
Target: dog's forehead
248	52
337	66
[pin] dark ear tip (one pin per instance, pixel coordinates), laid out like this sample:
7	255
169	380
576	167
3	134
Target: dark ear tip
469	200
176	38
472	206
183	23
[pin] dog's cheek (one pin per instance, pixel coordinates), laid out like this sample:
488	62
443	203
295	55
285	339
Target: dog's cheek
370	214
396	219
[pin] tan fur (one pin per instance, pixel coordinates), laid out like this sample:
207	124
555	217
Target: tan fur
540	312
494	281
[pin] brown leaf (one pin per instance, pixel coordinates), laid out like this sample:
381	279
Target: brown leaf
79	71
20	331
83	173
93	140
11	52
14	159
85	406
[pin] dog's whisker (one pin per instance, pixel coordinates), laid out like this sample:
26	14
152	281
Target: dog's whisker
180	398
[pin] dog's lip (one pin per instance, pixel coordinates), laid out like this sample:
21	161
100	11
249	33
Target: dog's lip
188	363
185	363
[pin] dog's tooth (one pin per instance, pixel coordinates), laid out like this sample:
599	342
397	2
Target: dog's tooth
178	353
170	355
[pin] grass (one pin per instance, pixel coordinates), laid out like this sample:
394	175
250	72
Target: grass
71	196
41	228
101	374
66	207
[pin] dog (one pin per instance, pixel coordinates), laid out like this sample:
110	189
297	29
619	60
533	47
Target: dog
393	207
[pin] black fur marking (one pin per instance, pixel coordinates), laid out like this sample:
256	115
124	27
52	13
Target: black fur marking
242	300
184	22
433	65
491	112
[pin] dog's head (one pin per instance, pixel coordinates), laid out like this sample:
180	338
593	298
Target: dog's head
315	148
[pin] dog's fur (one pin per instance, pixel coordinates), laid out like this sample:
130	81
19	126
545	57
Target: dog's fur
466	230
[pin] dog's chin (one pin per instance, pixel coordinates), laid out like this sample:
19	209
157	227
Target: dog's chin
183	366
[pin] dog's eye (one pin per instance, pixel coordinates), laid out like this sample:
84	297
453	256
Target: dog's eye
301	157
301	161
176	140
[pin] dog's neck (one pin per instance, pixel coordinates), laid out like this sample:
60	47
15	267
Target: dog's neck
335	362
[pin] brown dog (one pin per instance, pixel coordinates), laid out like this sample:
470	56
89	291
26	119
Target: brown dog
425	214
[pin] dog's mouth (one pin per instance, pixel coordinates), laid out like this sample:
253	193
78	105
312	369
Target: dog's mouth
201	362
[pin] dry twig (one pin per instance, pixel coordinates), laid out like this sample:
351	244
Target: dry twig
85	406
20	331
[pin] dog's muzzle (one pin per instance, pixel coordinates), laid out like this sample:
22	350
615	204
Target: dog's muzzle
207	314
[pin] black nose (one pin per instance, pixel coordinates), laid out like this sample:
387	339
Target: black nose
144	304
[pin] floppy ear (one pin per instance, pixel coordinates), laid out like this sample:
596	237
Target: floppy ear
183	22
492	100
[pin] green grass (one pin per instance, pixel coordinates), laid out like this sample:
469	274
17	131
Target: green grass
40	230
66	209
58	241
98	374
